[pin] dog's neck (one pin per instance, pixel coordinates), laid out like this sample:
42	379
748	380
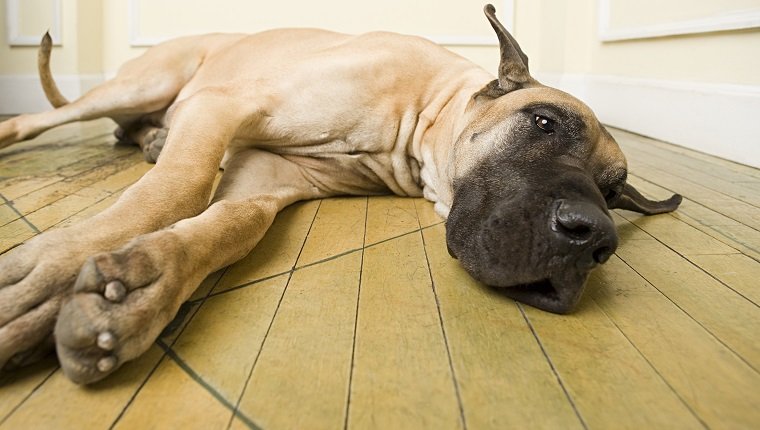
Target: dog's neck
451	113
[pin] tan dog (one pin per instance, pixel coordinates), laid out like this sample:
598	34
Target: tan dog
524	173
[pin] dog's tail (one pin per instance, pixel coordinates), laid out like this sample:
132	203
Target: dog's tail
52	92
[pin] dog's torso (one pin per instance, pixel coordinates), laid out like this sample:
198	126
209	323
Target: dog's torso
353	125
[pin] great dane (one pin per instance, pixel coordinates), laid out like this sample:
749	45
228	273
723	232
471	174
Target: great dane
524	175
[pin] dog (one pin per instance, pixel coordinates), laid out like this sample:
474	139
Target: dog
524	174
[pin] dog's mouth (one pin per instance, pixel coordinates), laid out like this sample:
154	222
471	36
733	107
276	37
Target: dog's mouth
543	287
547	294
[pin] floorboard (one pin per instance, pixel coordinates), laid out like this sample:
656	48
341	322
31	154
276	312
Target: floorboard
350	313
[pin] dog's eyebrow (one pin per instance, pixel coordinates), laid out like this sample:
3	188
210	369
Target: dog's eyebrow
546	106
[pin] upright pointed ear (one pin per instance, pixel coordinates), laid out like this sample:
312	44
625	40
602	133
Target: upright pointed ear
513	67
632	200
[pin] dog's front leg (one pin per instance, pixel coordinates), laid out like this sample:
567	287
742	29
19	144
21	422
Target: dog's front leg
123	299
36	279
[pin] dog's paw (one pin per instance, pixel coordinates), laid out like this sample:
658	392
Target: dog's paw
154	143
122	136
149	138
121	302
35	279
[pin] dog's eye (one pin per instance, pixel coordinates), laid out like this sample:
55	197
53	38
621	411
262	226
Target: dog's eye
544	123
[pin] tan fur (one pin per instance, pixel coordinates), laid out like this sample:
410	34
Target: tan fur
294	114
601	154
49	86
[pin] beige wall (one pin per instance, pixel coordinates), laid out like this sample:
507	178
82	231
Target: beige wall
98	36
563	37
95	37
603	51
559	36
78	47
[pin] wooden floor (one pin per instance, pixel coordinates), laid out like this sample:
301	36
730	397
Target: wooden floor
350	313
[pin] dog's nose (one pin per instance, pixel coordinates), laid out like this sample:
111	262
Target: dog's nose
588	229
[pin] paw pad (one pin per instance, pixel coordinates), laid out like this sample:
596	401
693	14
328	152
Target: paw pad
106	341
107	364
115	291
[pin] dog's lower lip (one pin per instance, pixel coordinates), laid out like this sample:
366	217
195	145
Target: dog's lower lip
543	287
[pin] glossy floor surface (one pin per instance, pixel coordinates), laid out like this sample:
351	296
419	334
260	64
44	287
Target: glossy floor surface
350	313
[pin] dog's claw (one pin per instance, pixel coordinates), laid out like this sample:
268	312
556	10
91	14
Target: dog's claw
119	134
115	291
106	341
88	275
106	364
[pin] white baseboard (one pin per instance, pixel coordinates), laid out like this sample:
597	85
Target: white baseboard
718	119
23	93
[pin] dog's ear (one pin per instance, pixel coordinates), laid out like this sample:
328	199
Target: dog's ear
632	200
513	67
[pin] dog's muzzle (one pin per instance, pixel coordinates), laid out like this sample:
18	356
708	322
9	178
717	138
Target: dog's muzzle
588	235
539	253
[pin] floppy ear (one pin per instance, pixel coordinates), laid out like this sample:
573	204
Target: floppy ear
632	200
513	67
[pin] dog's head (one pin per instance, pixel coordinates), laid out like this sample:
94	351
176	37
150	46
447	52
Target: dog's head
534	176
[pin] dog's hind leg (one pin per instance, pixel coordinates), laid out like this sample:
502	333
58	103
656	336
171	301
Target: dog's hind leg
118	97
152	143
123	299
148	137
144	85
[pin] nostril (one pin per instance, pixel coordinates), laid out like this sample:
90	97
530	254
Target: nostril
573	225
602	254
580	232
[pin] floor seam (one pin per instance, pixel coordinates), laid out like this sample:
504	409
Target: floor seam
241	286
454	379
68	178
635	175
161	359
713	335
137	391
651	365
274	316
9	203
324	260
356	317
58	224
697	266
552	367
689	153
30	394
68	216
650	154
211	390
